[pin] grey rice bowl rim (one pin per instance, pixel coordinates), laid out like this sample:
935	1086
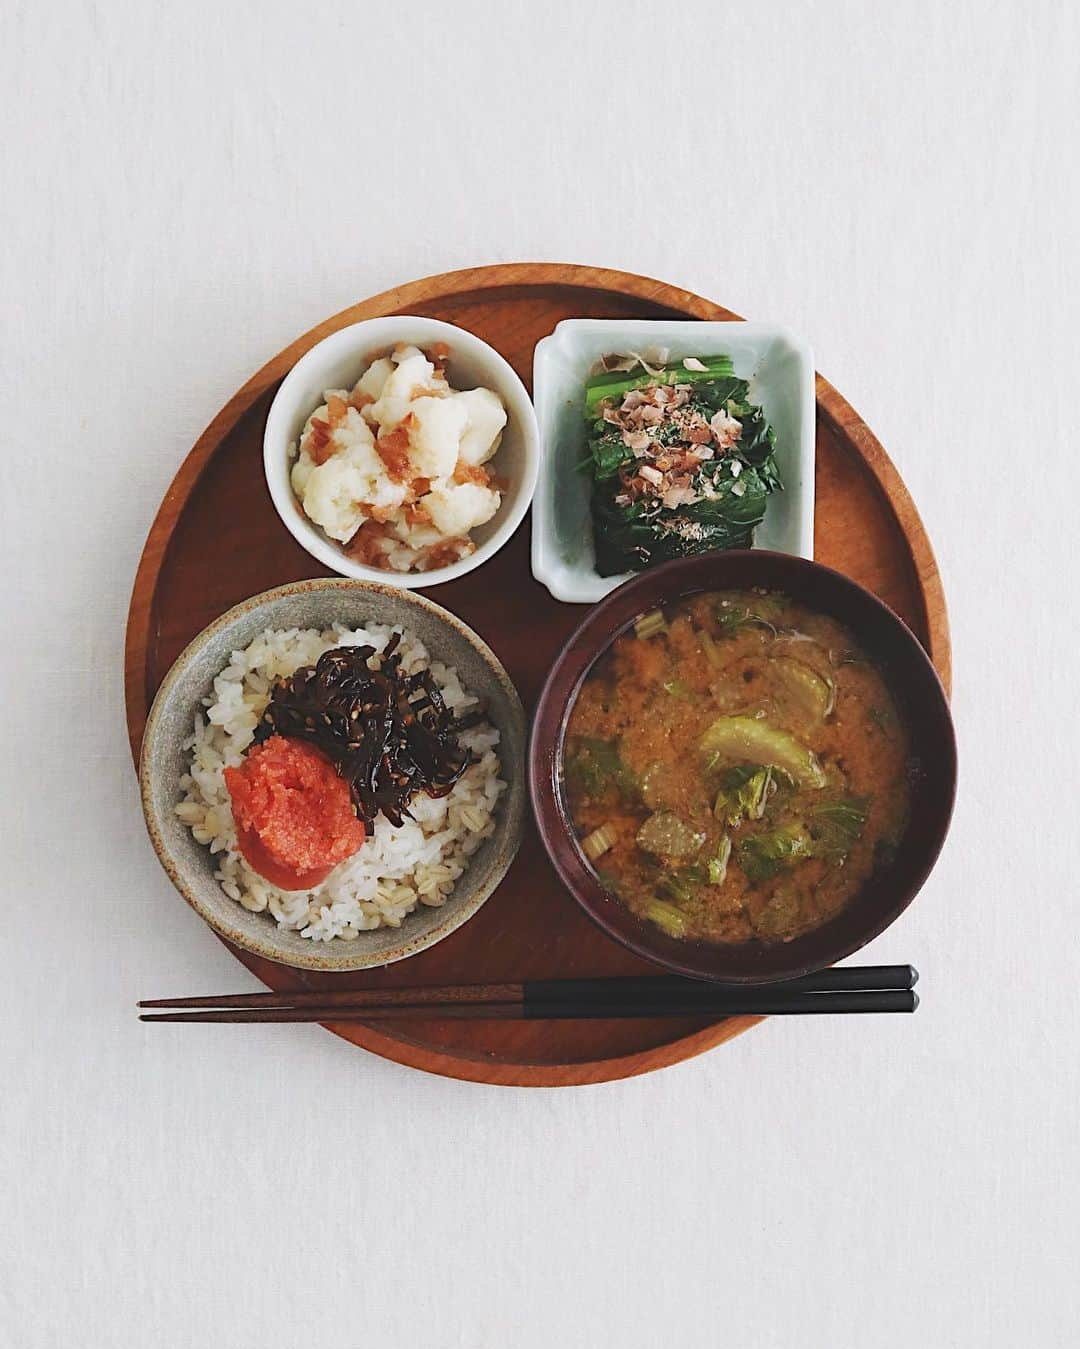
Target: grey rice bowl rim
261	935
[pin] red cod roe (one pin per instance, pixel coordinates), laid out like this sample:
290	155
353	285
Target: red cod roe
294	815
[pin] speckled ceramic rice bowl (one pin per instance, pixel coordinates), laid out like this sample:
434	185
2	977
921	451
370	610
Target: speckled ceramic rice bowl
404	889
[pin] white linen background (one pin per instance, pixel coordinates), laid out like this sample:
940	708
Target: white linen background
185	190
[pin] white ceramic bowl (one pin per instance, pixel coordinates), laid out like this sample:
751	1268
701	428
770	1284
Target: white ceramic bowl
337	362
780	370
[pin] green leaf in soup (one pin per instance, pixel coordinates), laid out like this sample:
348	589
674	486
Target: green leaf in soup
678	887
768	604
737	619
733	615
762	856
596	765
718	863
836	826
667	917
754	740
744	794
800	690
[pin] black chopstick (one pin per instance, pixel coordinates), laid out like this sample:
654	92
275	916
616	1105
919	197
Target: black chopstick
842	978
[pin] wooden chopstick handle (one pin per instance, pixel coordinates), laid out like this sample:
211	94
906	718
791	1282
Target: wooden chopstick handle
458	1011
350	997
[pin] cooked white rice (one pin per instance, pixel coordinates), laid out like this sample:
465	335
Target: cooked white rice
395	869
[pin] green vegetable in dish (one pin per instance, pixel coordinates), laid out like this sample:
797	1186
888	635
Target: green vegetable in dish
718	865
835	826
667	917
597	766
617	383
753	740
630	535
678	886
600	841
745	791
732	618
801	690
761	856
831	830
681	461
651	624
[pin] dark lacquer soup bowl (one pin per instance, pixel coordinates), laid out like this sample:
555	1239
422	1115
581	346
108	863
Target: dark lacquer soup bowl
920	701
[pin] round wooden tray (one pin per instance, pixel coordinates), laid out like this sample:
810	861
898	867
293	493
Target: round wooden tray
216	540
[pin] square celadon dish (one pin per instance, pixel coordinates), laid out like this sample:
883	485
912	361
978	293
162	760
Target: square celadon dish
780	372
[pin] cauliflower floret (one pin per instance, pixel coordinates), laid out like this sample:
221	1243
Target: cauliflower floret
350	486
483	430
435	434
373	380
418	542
322	412
455	508
388	412
353	431
412	374
410	377
402	558
350	434
349	429
301	472
332	496
416	533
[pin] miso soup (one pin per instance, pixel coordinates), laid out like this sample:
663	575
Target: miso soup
735	767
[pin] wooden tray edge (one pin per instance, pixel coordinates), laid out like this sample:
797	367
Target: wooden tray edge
589	1072
890	484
